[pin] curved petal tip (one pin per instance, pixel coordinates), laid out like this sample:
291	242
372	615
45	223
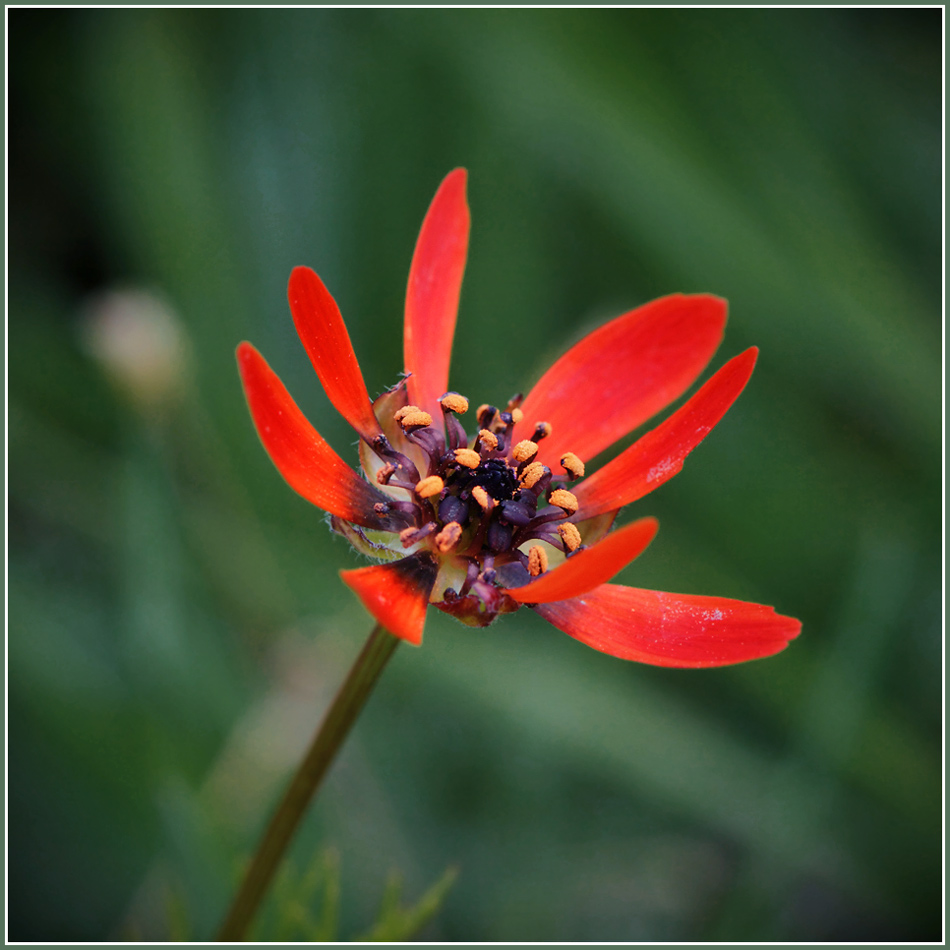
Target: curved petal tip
325	338
672	629
301	454
587	569
624	372
432	296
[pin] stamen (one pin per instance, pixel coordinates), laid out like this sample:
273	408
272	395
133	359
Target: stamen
410	421
399	414
471	573
404	509
564	500
431	441
448	537
516	415
430	486
467	457
537	560
385	473
541	431
572	465
486	439
453	402
525	450
569	535
483	498
485	415
532	474
409	536
384	450
501	422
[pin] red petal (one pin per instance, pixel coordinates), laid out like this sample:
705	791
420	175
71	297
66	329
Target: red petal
659	455
623	373
585	570
396	594
432	298
323	334
301	455
672	629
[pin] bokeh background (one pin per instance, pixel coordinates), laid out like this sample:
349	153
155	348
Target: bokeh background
176	623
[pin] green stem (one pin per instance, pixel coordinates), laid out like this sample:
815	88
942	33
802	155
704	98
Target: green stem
333	730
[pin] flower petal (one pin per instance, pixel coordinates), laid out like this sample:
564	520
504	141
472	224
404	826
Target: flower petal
396	594
671	629
432	298
659	455
323	333
301	455
623	373
587	569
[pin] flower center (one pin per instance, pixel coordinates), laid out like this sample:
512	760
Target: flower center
494	475
482	499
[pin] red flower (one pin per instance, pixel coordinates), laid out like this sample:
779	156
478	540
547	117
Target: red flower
482	524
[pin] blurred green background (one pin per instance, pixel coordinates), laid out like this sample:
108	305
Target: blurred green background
176	623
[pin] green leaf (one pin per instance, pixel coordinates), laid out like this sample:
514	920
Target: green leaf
397	923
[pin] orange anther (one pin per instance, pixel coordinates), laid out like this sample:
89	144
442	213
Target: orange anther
569	535
483	498
532	474
487	439
541	431
537	561
467	457
399	414
572	465
415	420
564	500
453	402
430	486
524	450
448	537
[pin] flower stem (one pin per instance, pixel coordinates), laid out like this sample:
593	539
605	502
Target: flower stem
329	737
